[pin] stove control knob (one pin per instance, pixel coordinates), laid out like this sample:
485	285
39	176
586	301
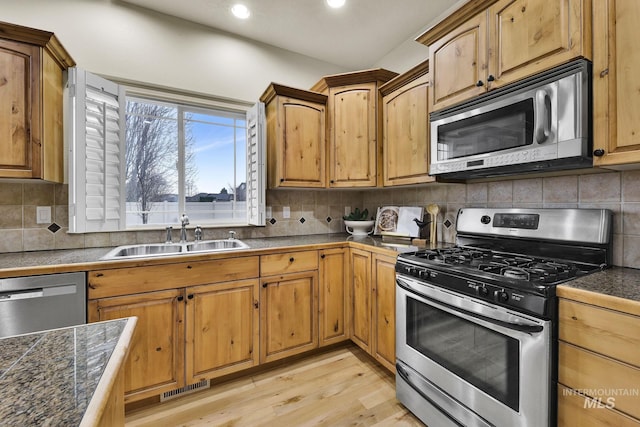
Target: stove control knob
502	296
483	291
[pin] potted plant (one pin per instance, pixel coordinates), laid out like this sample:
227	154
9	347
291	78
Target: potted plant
358	223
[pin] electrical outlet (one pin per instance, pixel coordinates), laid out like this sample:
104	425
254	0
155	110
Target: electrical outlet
286	212
347	210
43	214
269	212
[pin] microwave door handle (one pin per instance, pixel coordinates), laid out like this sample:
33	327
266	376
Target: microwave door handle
542	116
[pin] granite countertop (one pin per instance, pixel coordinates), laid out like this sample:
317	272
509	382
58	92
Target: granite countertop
57	261
50	377
616	288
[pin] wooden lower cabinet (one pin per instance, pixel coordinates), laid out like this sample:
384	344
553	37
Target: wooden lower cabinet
598	366
222	329
156	358
360	285
384	310
333	296
288	315
373	305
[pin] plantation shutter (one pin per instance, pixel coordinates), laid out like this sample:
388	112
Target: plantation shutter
96	186
256	171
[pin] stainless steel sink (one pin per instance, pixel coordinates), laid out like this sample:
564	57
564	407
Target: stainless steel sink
216	245
168	249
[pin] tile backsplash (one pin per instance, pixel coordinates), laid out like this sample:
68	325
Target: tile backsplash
320	211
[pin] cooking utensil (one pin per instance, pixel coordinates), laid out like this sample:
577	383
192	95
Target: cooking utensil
433	210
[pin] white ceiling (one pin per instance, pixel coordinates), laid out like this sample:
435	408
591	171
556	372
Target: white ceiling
354	37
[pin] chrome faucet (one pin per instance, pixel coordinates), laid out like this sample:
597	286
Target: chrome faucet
184	220
168	239
198	233
232	235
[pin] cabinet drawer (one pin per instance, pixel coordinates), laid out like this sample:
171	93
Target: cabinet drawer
604	331
288	262
616	383
577	410
124	281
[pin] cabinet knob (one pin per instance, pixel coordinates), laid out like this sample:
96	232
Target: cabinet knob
281	179
322	256
599	152
190	296
331	181
264	285
292	259
480	83
180	298
491	78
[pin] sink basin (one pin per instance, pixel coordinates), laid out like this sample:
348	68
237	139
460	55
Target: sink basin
167	249
216	245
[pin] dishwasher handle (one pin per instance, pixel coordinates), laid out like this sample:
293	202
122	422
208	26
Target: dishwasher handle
37	293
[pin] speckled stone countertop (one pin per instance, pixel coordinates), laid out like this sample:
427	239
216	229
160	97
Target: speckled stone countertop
44	262
49	378
616	282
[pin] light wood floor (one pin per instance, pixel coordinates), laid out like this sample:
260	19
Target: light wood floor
342	387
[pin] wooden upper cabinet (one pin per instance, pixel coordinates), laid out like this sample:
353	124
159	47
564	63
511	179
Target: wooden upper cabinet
354	127
458	63
296	141
530	36
616	104
353	137
31	113
405	143
487	44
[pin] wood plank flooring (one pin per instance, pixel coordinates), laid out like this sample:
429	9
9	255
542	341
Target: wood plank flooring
342	387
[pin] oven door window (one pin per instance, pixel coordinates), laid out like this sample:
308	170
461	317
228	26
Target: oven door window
487	359
493	131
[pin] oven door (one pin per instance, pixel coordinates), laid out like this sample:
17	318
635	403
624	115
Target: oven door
474	363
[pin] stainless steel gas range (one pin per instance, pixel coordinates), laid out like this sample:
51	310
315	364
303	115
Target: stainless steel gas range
476	327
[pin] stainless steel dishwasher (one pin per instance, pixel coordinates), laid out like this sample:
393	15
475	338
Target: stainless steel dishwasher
34	303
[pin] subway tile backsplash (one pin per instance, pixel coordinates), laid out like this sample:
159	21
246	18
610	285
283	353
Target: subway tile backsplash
320	211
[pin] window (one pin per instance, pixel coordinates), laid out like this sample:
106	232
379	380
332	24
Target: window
140	161
184	159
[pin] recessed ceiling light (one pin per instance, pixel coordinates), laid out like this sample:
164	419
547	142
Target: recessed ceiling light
240	11
335	3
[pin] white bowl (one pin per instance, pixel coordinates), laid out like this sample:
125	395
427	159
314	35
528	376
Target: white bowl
359	228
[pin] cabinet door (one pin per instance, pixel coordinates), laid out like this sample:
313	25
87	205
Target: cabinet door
222	329
529	36
353	135
297	132
361	298
288	315
405	143
384	313
458	64
19	109
333	296
156	358
616	104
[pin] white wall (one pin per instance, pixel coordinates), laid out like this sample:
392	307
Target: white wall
115	39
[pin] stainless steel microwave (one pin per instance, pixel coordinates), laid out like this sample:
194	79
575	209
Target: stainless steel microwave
542	123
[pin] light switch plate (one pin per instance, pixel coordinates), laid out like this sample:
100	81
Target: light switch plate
269	213
347	210
286	212
43	214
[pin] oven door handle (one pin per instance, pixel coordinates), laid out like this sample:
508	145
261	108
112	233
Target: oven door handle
529	329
